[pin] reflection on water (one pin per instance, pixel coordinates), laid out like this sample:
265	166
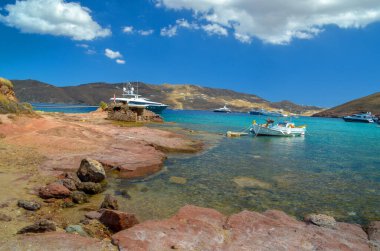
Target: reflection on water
333	170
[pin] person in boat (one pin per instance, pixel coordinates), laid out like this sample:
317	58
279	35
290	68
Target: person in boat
269	121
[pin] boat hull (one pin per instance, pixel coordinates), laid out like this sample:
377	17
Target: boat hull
261	130
156	109
358	120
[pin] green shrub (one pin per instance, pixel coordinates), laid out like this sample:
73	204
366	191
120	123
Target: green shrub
103	105
6	82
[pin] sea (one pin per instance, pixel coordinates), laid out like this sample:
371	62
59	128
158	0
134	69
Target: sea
334	169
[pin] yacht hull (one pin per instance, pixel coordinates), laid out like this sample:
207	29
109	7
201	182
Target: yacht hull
358	120
156	109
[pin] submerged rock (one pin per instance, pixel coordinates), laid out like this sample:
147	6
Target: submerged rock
39	227
79	197
93	215
4	217
117	220
373	231
91	171
29	205
321	220
249	182
109	202
178	180
76	229
91	187
73	177
54	190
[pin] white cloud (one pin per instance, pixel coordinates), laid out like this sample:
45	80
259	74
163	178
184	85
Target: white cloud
112	54
169	31
145	32
54	17
90	52
215	29
278	21
128	29
120	61
82	45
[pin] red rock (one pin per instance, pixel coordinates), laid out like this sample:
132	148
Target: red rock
194	228
54	190
117	220
56	241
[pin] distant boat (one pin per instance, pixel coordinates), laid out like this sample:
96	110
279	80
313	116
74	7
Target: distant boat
135	100
224	109
284	129
264	112
361	117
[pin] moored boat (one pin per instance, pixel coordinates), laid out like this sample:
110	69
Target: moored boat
224	109
361	117
264	112
284	129
135	100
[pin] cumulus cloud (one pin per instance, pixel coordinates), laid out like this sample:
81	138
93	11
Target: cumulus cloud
128	29
54	17
169	31
276	21
112	54
215	29
145	32
120	61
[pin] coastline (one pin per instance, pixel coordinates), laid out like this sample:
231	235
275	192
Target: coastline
56	143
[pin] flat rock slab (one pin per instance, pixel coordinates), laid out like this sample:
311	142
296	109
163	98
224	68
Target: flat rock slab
194	228
57	241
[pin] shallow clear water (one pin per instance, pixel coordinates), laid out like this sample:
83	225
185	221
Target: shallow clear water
334	169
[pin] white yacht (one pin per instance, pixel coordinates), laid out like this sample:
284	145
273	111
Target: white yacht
361	117
224	109
264	112
135	100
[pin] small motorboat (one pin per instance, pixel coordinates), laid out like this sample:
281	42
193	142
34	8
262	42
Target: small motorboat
361	117
224	109
285	129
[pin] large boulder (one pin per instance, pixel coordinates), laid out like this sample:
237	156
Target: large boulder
54	190
91	171
117	220
195	228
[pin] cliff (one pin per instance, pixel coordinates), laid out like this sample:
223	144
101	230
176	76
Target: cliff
177	96
369	103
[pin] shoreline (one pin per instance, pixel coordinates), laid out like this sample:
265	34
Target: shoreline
56	143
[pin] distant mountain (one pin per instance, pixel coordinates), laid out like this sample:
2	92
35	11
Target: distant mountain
369	103
177	96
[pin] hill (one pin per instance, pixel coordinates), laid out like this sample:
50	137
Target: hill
369	103
177	96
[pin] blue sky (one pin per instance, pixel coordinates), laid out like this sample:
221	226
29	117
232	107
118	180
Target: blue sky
319	53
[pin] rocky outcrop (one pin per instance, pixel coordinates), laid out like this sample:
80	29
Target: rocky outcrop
117	220
373	231
122	112
8	100
91	171
195	228
54	190
57	241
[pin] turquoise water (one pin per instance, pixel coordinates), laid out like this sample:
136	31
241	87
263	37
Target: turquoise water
334	169
45	107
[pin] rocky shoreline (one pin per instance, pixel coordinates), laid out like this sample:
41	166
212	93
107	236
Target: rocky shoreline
55	164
